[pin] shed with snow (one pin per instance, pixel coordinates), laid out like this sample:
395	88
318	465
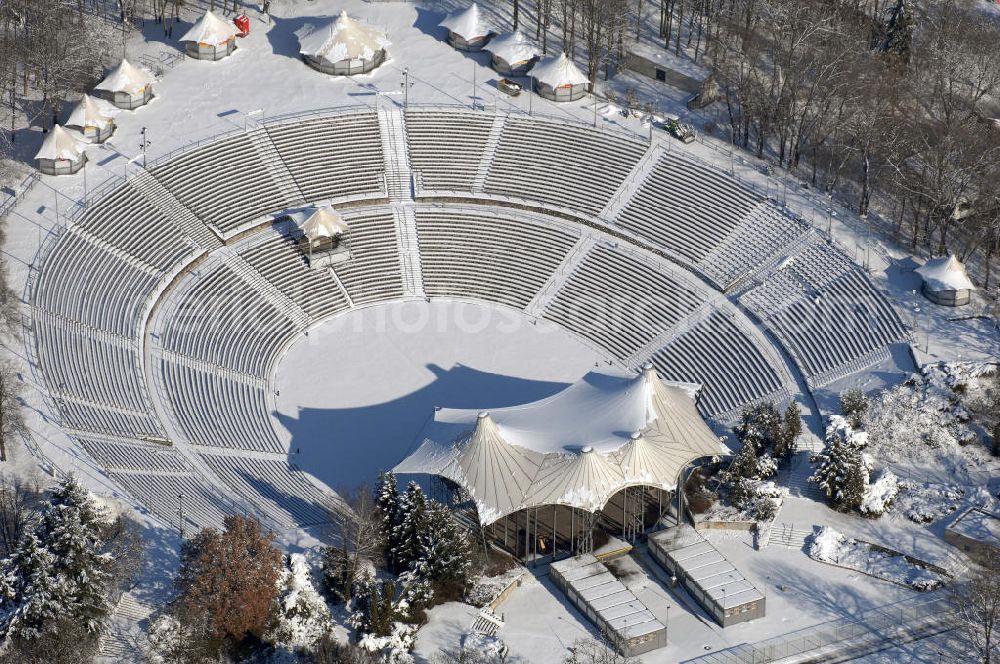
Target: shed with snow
211	38
946	281
62	152
512	54
558	79
342	46
94	118
127	86
468	30
977	533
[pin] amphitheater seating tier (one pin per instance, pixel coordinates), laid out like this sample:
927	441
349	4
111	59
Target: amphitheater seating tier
447	150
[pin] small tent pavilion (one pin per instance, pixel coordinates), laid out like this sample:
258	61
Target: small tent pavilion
512	54
62	152
468	30
946	281
545	477
94	118
127	86
342	47
558	79
324	239
211	38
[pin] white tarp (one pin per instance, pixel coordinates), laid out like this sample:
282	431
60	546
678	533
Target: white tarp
324	223
569	449
557	71
62	144
92	112
468	24
126	78
339	39
210	29
945	274
513	48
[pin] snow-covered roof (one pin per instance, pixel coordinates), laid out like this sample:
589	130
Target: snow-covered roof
126	77
210	29
325	222
62	144
945	274
92	112
570	448
979	525
557	71
512	48
468	23
341	38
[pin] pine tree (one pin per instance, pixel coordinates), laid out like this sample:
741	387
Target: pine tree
412	516
387	503
444	554
843	472
791	429
34	598
898	32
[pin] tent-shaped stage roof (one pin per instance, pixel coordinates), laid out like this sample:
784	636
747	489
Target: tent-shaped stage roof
62	144
126	77
341	38
92	112
324	223
569	449
557	71
513	48
210	29
945	274
468	23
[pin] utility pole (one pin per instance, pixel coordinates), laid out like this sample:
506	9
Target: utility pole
180	515
406	87
143	145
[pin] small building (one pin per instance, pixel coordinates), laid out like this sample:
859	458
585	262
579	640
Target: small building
659	64
324	240
615	611
946	282
558	79
211	38
977	533
342	47
62	152
512	54
94	118
705	573
127	86
468	30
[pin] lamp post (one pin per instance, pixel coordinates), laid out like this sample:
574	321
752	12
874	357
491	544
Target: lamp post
406	87
143	145
180	515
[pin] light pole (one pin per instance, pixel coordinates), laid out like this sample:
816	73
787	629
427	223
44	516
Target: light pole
406	87
531	91
143	145
473	85
180	515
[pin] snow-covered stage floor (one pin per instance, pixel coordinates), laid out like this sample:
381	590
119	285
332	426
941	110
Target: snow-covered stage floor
354	393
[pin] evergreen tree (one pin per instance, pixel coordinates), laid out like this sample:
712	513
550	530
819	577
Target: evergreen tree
443	554
387	503
791	429
406	534
843	471
854	405
34	598
898	32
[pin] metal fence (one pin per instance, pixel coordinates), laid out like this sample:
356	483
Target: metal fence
868	632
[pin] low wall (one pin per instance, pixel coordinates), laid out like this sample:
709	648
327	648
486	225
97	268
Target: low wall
742	526
507	591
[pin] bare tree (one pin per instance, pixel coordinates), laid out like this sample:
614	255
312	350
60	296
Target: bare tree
17	497
595	651
11	417
977	600
360	536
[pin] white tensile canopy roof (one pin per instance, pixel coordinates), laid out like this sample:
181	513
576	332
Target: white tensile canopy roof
92	112
468	23
558	71
341	38
945	274
325	222
126	77
210	29
568	449
513	48
62	144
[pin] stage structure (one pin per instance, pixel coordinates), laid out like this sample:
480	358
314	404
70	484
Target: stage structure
324	238
558	476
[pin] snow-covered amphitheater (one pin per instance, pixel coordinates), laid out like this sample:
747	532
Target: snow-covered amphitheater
172	318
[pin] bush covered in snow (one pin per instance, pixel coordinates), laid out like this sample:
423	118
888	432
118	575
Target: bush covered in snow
879	494
831	546
300	616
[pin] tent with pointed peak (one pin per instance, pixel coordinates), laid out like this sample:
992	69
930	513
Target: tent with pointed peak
946	281
558	79
127	86
324	224
468	29
62	152
342	46
94	118
512	54
211	38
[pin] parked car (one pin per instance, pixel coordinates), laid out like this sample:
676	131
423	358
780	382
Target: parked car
509	87
680	130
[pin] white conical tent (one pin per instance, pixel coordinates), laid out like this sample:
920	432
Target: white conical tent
341	38
92	112
62	144
210	29
946	274
514	48
127	78
675	420
558	71
586	480
324	223
469	23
